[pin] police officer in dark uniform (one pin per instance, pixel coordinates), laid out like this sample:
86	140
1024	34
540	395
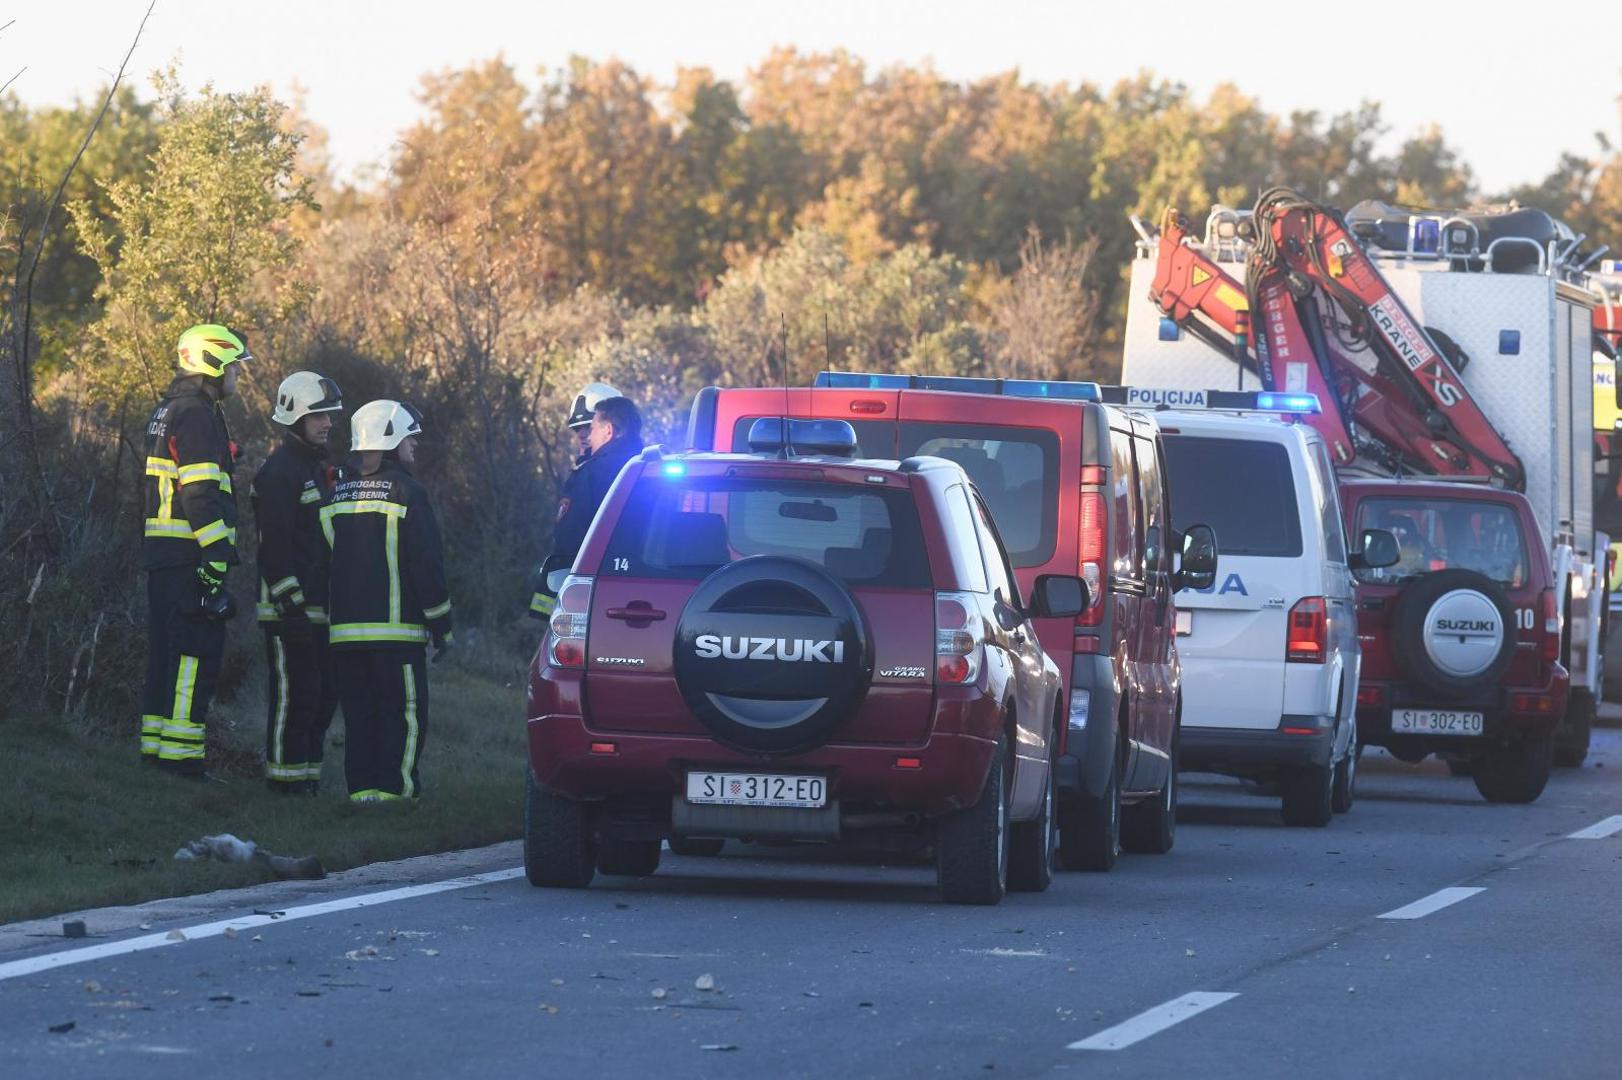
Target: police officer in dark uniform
542	599
190	544
288	494
615	437
386	601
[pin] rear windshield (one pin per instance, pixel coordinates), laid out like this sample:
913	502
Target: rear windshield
685	527
1015	469
1447	534
1241	488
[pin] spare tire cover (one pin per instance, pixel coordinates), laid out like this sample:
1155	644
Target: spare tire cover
771	654
1453	630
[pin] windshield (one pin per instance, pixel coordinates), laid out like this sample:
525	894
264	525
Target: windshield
1447	534
1242	488
685	527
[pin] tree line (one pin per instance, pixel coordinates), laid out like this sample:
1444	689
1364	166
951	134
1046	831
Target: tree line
594	225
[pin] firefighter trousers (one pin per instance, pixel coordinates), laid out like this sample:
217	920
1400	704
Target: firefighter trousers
183	651
384	693
303	698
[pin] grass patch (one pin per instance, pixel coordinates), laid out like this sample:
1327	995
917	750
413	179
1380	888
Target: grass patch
84	824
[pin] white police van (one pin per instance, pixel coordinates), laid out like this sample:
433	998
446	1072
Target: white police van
1270	657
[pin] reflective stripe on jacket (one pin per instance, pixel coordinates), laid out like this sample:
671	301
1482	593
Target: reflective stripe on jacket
189	506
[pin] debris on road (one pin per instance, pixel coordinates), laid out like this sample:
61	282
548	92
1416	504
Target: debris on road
63	1028
228	848
73	928
704	982
175	935
722	1047
660	993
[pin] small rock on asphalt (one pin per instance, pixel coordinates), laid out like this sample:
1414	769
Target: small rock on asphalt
704	982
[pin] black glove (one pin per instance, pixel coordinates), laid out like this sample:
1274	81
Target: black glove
214	602
297	629
442	645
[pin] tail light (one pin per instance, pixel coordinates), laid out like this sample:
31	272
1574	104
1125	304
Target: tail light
959	638
567	647
1307	640
1551	628
1092	556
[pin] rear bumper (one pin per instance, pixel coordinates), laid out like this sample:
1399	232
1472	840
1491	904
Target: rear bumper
1501	718
1244	751
652	769
1083	768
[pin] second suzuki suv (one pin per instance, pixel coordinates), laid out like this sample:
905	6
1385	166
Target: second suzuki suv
793	644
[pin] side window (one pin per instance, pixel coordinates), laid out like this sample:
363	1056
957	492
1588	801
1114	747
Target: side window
1126	548
1153	501
1323	477
998	573
970	570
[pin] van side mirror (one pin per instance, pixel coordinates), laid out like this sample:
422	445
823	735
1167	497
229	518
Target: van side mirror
1199	562
1058	596
1379	548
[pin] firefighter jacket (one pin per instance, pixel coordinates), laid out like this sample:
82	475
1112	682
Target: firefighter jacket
190	509
583	495
387	584
288	494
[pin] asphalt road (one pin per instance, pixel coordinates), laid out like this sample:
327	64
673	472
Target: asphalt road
1252	950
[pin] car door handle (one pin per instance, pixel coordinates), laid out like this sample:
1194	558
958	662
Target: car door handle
635	613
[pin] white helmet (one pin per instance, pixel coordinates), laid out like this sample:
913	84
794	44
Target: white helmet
383	425
303	393
585	402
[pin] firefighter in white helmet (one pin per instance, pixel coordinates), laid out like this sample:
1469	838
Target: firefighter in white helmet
387	602
288	493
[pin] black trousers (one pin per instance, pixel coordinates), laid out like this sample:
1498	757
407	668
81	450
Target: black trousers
384	692
183	651
302	699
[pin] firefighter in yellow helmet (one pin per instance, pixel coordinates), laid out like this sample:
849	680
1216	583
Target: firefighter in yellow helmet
387	600
190	545
288	493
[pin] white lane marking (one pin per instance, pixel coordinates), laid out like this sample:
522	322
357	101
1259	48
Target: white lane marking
1599	830
16	969
1153	1021
1436	901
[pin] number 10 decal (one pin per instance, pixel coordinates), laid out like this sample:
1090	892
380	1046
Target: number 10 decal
1525	619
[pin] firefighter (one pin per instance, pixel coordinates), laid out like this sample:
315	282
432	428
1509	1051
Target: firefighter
542	599
387	600
614	437
190	544
288	493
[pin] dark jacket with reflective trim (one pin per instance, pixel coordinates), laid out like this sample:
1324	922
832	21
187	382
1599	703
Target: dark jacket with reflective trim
190	509
388	562
288	493
583	495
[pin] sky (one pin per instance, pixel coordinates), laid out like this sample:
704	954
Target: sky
1509	94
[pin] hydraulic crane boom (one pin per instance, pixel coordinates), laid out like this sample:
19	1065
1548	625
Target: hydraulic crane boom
1311	247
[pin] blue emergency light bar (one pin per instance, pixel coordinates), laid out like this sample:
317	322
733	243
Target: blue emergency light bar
1137	397
1025	388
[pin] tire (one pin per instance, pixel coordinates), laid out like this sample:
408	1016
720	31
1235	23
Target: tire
1343	791
560	848
628	858
1090	829
971	845
1517	771
1308	792
1150	827
1571	741
696	846
1488	604
1033	846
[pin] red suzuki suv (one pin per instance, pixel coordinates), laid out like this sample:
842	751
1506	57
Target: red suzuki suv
1461	636
795	644
1075	487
